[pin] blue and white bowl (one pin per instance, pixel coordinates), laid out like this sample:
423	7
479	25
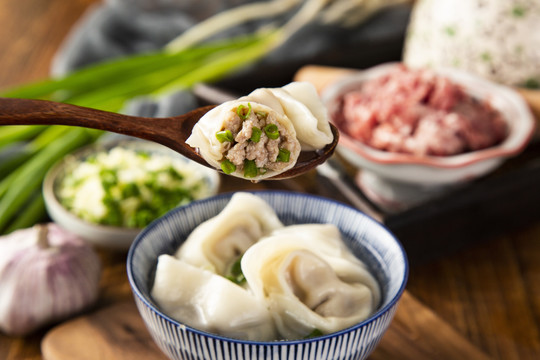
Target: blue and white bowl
368	239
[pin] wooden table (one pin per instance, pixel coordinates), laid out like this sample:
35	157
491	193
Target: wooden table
488	292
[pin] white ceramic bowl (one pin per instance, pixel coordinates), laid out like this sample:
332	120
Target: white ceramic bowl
111	237
368	239
437	170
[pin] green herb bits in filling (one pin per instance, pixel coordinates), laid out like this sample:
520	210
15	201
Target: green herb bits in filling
224	136
271	130
255	134
227	166
283	155
243	112
250	169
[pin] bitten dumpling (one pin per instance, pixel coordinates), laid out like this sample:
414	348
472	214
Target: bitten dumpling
210	302
262	134
310	280
219	242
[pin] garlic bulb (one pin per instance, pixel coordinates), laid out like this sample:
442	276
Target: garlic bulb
46	275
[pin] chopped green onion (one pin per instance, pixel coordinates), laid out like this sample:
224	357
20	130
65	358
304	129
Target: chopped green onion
272	131
255	134
236	274
242	112
224	135
250	169
263	170
284	155
261	115
314	333
228	167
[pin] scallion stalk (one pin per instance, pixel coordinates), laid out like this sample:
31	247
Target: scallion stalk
29	176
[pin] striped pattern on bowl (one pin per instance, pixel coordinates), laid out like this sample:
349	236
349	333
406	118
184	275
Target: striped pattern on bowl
369	240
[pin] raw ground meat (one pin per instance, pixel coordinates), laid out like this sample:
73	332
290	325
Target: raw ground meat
415	111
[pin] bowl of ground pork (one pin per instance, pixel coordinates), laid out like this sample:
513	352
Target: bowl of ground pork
427	127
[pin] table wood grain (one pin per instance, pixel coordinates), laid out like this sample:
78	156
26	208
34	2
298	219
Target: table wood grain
489	292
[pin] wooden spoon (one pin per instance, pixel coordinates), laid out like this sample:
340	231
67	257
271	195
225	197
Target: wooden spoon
171	132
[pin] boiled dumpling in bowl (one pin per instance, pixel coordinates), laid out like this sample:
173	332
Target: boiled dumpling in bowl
218	243
262	134
310	280
210	302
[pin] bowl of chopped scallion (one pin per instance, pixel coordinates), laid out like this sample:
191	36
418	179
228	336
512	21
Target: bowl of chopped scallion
108	192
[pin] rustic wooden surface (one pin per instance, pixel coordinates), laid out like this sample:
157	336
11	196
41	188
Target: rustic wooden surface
118	332
488	293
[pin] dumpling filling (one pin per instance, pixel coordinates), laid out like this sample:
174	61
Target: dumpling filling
254	141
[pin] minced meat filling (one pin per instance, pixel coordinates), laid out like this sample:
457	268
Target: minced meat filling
251	142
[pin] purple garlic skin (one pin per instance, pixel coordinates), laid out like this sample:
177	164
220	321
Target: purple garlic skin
46	275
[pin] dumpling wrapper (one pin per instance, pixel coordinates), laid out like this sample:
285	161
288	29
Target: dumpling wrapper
218	242
209	302
296	107
310	280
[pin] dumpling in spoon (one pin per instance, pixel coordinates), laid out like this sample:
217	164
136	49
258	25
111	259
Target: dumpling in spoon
262	134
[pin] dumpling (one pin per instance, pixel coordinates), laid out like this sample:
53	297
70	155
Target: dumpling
209	302
219	242
261	135
311	281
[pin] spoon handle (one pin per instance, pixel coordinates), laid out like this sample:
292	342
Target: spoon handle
171	132
42	112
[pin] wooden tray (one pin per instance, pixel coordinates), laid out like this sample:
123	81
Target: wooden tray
117	332
506	200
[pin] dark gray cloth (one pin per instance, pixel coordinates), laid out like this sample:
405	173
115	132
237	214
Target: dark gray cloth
118	28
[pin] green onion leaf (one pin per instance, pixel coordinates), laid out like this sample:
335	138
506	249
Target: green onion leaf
242	112
224	135
228	167
272	131
250	169
255	134
283	156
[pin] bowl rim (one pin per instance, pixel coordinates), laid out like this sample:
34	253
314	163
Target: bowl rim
514	143
372	318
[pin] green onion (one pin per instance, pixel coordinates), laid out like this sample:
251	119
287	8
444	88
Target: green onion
283	156
29	176
33	213
250	169
314	333
228	167
272	131
255	134
236	275
242	112
261	115
224	136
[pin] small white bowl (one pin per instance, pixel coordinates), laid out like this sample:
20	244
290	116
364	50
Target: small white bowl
437	170
368	239
110	237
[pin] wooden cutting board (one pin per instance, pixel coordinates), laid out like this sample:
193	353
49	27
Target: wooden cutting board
118	333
